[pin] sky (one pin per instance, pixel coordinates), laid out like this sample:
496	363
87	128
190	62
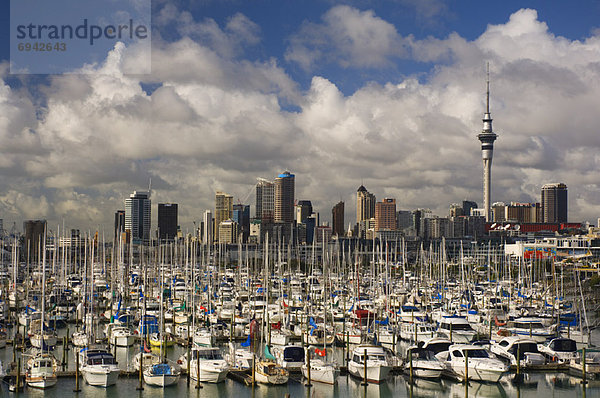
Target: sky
388	94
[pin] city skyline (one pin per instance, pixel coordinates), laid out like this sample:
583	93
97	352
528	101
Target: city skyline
235	95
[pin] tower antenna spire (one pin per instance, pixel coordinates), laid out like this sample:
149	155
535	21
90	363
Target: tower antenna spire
487	102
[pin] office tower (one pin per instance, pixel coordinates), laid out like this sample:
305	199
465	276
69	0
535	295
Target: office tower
385	215
265	200
119	223
365	205
241	215
138	216
303	210
523	212
167	221
404	219
456	210
468	206
284	198
228	232
498	212
554	203
207	224
34	238
337	216
223	210
487	138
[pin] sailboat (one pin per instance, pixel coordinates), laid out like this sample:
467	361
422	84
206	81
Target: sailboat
161	374
41	368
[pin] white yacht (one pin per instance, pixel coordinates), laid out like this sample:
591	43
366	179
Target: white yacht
41	371
321	371
424	363
457	329
212	367
100	368
530	327
162	375
559	349
377	366
482	365
526	349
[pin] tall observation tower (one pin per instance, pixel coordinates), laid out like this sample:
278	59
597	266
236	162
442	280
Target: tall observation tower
487	138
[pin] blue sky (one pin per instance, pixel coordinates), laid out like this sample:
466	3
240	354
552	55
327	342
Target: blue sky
388	94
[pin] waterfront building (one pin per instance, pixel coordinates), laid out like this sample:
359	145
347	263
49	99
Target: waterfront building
365	204
284	198
119	224
167	221
207	227
304	210
241	215
223	210
265	200
138	216
34	231
385	214
337	216
228	232
554	203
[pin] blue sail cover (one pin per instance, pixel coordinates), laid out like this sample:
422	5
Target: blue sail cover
161	369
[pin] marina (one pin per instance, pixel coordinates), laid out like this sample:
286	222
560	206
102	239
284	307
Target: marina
364	323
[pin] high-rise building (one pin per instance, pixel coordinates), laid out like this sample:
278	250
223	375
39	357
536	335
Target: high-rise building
34	238
337	216
119	223
138	216
228	232
487	138
284	198
167	221
524	212
468	206
265	200
223	210
554	203
385	215
207	224
303	210
365	205
404	219
456	210
241	215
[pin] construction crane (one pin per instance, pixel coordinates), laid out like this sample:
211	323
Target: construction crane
258	181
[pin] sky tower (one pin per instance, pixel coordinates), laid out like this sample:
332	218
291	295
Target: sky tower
487	138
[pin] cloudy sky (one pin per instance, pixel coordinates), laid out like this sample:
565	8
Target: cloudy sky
387	94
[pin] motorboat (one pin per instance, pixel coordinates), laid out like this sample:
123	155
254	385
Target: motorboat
207	365
481	364
559	349
41	371
514	348
162	374
100	368
531	327
423	363
456	329
373	360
